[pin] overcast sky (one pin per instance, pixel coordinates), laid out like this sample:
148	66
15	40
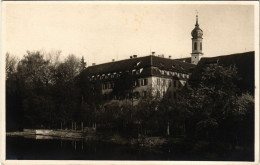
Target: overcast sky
102	32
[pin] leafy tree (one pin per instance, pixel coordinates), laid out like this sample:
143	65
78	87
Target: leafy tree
11	63
68	70
214	104
124	85
146	113
83	64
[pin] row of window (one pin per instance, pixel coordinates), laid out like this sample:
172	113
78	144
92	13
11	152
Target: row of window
115	75
137	95
164	81
144	82
110	85
141	82
170	73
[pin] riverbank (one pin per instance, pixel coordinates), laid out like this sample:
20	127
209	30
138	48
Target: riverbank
89	136
71	134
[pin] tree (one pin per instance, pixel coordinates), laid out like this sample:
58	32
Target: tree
215	103
146	113
14	95
83	64
69	69
34	69
11	63
124	85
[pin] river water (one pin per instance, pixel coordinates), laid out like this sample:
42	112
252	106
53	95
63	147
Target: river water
57	149
32	148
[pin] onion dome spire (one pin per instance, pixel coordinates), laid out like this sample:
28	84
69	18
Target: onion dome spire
197	32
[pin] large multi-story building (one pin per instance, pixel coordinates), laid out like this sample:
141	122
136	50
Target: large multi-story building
156	74
153	74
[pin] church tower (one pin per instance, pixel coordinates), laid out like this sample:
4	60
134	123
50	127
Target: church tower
196	34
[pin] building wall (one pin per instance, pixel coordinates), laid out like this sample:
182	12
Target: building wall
166	87
195	58
155	85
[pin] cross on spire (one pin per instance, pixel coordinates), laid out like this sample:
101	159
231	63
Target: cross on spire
197	24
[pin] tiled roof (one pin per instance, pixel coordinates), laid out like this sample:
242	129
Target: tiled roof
146	63
243	61
187	59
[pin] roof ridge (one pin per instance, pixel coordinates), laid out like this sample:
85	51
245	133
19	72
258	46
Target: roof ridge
118	61
228	55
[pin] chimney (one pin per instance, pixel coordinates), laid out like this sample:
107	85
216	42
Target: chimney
170	57
153	53
134	56
93	64
113	60
131	57
163	55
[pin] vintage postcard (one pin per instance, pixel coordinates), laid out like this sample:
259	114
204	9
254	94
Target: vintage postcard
130	82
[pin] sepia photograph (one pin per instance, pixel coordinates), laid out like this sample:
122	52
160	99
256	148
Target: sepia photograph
148	82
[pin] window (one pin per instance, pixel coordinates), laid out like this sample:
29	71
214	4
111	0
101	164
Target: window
175	84
135	84
195	45
200	46
145	81
164	82
164	93
144	93
158	81
170	83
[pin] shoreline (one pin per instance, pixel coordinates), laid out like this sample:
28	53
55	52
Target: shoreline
88	136
63	134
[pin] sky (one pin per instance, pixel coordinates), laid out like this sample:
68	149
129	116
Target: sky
101	32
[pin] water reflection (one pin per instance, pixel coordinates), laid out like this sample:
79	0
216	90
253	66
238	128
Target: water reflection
54	148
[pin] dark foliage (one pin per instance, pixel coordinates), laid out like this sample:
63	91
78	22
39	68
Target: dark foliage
41	93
